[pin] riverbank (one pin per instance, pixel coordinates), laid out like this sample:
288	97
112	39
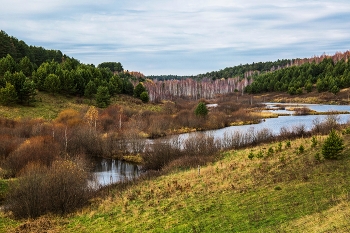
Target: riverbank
314	97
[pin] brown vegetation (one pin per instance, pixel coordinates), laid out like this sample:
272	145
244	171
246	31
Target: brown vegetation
59	188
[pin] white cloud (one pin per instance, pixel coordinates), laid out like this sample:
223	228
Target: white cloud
155	31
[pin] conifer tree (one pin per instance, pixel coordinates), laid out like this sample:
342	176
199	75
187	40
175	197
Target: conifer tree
332	146
8	95
201	110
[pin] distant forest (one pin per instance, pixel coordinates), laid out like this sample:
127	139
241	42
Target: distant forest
246	70
230	72
325	73
168	77
294	76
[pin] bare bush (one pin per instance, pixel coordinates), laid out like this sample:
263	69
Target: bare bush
264	135
293	132
40	150
200	145
59	189
86	141
217	120
234	140
183	118
160	153
299	130
228	107
285	133
250	137
8	144
324	127
169	107
302	111
159	124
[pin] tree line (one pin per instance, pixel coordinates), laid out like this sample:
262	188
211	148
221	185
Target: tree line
25	69
326	74
18	49
19	81
246	70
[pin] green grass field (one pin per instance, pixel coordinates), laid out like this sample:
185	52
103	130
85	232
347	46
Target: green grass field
285	191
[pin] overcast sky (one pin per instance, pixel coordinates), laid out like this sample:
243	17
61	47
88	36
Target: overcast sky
183	37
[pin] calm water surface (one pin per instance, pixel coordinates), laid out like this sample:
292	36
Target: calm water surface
109	171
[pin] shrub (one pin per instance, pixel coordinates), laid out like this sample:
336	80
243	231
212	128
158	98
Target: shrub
144	97
69	117
346	130
83	140
158	124
301	149
260	154
302	111
318	157
160	154
59	189
39	150
251	155
333	146
288	145
314	141
279	146
8	144
324	127
270	151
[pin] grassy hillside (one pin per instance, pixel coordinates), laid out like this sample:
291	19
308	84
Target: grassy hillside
48	106
287	190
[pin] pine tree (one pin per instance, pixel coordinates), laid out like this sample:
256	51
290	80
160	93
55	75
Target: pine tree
52	83
28	92
332	146
139	89
102	97
201	110
8	94
90	89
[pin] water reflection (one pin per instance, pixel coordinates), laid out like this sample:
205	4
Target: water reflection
109	171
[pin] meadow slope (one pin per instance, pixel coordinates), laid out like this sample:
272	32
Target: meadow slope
286	190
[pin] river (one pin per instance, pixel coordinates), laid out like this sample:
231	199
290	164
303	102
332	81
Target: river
108	171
